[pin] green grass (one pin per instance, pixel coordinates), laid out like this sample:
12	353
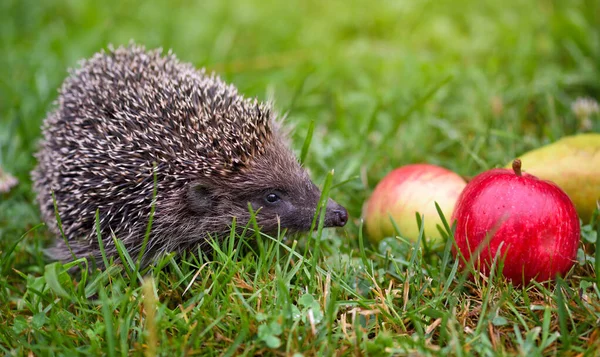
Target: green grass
374	85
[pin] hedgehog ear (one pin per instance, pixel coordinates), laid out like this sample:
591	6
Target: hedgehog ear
199	199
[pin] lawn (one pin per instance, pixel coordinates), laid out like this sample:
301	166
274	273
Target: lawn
468	85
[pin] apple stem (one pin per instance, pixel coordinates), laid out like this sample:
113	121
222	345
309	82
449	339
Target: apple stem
516	166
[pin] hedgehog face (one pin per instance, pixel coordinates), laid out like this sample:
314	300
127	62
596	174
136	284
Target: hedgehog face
293	208
276	206
277	189
282	193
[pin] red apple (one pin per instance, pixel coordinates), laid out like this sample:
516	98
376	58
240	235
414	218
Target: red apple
406	190
531	222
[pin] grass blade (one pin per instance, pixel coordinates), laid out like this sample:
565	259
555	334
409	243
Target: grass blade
307	141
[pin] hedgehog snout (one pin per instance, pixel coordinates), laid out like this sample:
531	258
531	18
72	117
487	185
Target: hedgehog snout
335	214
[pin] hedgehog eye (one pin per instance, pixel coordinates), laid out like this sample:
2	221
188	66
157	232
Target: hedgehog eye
272	197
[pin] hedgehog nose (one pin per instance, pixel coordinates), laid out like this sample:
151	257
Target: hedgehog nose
337	214
342	216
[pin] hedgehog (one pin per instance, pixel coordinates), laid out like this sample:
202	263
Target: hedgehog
137	133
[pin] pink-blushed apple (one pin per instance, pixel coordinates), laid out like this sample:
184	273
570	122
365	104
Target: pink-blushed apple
406	190
531	223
